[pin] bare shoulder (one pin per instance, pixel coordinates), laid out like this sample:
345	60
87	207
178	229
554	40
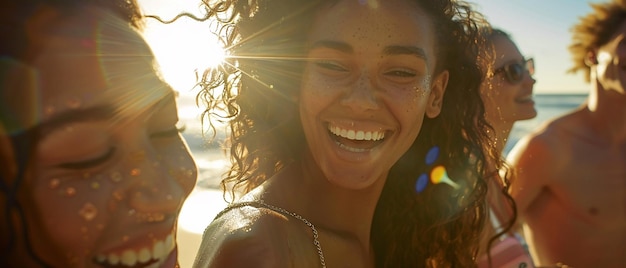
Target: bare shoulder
245	236
546	145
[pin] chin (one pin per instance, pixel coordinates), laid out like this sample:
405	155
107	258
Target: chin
352	181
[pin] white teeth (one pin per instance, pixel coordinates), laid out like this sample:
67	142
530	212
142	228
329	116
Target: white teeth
130	257
359	135
144	255
113	259
355	150
100	258
158	249
351	134
169	243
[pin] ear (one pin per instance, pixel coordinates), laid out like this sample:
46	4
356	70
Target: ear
437	90
591	58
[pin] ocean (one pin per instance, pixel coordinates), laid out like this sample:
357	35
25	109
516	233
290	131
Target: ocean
548	106
212	161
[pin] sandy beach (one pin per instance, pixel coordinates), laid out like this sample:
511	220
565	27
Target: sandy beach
198	211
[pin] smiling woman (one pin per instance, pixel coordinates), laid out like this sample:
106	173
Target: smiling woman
94	169
334	106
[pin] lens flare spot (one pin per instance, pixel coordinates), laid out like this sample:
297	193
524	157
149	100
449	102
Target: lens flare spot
439	175
421	183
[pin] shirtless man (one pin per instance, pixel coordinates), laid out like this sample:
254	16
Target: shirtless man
571	173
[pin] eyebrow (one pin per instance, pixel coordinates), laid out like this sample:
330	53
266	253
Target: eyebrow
92	114
389	50
405	50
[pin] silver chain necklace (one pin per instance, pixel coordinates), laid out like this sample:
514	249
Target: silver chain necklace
316	242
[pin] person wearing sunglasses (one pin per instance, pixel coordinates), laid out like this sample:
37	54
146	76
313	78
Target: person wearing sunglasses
507	95
570	185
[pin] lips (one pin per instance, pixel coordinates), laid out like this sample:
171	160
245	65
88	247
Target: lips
149	256
524	99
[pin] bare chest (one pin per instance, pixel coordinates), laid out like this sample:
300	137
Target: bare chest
592	185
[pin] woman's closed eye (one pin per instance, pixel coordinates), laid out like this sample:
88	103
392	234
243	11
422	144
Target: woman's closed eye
89	163
331	65
401	73
169	133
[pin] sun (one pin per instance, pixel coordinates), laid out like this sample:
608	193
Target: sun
182	49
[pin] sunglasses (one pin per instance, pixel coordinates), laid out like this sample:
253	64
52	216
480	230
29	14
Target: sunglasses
514	71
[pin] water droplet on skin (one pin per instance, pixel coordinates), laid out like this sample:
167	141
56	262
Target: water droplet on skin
49	111
69	191
118	195
95	185
135	172
54	183
88	211
116	176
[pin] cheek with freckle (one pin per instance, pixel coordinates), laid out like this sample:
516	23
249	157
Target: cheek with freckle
180	166
73	211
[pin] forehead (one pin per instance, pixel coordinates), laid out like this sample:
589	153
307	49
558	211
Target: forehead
89	58
505	50
377	23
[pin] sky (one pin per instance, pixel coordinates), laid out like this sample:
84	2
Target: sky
540	28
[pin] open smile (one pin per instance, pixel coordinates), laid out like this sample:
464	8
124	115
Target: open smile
356	140
149	256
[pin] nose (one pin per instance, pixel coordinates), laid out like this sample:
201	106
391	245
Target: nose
361	96
529	79
156	185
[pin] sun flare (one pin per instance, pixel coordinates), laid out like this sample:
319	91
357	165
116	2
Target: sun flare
183	49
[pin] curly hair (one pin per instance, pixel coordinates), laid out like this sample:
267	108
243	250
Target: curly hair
255	91
488	60
594	30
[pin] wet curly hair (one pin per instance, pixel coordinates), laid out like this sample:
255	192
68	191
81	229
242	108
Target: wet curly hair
594	30
255	90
